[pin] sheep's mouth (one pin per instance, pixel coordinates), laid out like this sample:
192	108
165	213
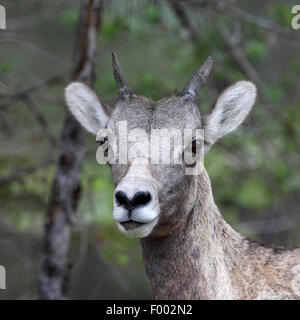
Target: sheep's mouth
129	225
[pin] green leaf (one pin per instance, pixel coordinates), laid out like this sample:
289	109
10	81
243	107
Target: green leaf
282	13
153	14
6	67
256	50
111	28
254	194
69	18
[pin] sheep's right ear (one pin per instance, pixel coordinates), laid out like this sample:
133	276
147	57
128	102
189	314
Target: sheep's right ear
85	106
230	110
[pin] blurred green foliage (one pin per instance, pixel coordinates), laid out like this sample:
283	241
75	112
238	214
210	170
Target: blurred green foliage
69	17
256	50
6	67
282	13
255	171
111	27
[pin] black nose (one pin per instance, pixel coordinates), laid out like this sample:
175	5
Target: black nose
139	199
122	199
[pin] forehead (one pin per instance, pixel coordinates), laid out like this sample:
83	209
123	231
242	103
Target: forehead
143	113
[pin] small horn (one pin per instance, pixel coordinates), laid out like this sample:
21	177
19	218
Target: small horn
122	84
198	80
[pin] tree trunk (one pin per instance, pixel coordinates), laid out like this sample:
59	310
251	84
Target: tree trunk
66	187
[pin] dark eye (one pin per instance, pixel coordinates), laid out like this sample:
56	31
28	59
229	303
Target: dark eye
194	147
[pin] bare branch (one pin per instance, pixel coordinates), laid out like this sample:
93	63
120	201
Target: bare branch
261	22
246	67
40	119
66	186
26	93
226	7
11	37
184	19
56	80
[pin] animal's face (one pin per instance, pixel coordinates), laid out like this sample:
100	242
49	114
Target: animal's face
149	190
154	148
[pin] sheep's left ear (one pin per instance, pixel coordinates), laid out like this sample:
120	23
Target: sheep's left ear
230	110
86	107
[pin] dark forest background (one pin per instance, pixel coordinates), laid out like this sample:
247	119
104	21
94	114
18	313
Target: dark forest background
255	171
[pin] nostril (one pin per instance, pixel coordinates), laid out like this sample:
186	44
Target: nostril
140	198
122	199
